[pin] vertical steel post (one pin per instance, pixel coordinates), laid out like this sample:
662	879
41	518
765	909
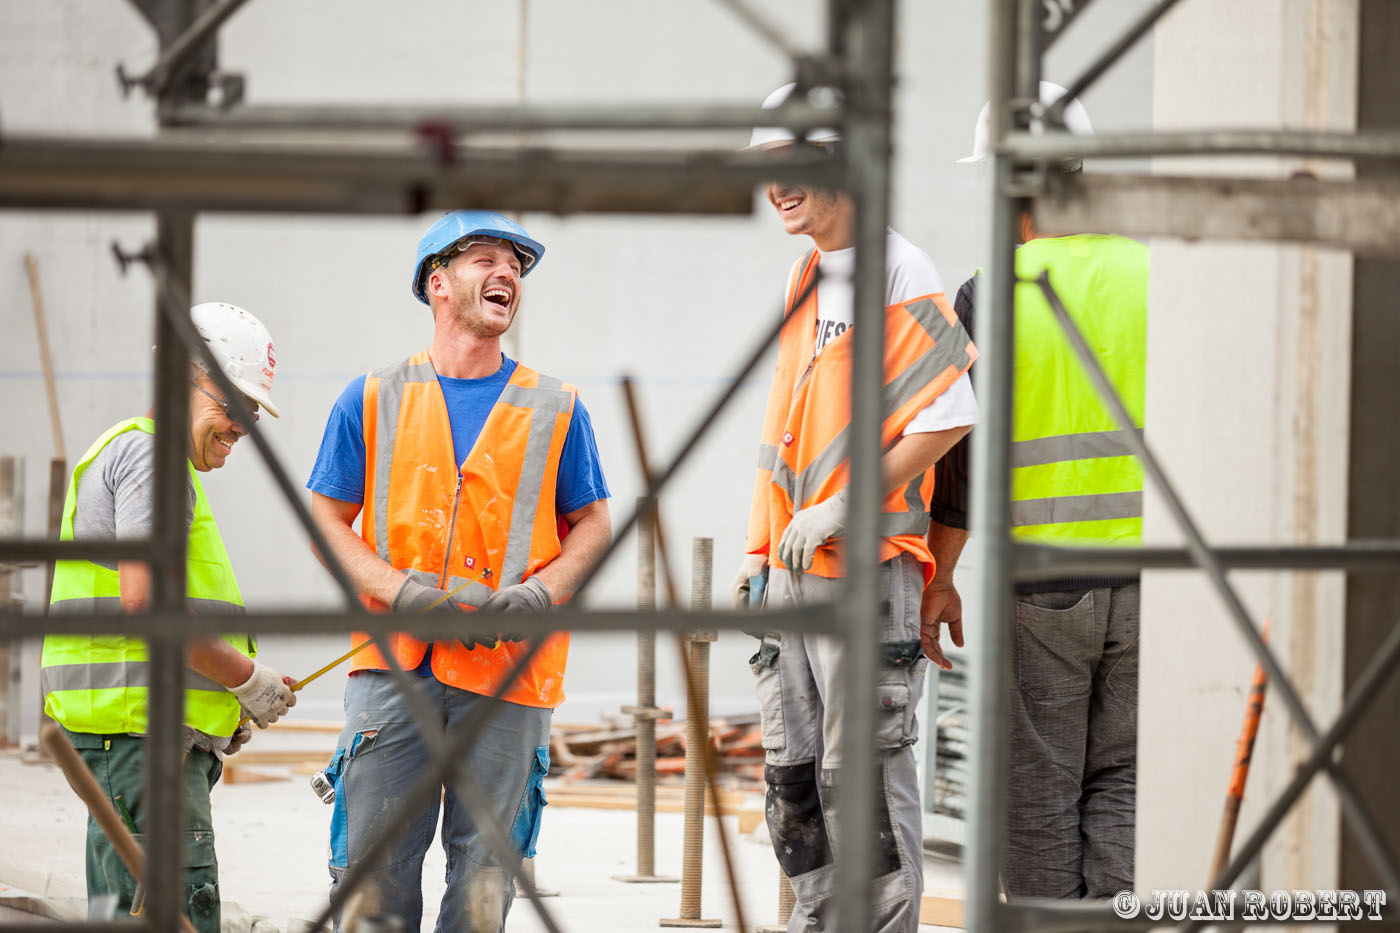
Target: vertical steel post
868	56
991	485
697	738
164	746
787	900
11	526
645	713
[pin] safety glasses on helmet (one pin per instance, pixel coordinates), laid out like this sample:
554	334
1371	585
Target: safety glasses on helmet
527	259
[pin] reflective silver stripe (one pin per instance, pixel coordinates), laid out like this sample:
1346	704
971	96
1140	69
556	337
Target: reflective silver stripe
86	605
112	675
784	477
1076	509
1064	447
214	607
545	401
473	594
903	523
822	466
914	495
950	349
767	454
392	379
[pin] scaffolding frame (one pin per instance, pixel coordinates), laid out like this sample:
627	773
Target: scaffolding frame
177	177
1025	177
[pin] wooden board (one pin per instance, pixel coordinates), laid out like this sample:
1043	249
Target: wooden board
941	911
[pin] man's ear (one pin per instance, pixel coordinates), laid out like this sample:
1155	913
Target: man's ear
437	282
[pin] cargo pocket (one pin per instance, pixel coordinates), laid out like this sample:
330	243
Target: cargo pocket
202	882
525	831
768	687
894	717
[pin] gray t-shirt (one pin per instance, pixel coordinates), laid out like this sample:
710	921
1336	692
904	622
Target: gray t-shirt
115	501
114	495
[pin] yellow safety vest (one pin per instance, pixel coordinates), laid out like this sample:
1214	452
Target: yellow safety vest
1074	479
99	683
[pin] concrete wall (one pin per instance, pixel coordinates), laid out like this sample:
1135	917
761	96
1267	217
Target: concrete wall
1248	376
675	302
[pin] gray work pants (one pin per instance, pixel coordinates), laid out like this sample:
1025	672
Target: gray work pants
799	678
1073	744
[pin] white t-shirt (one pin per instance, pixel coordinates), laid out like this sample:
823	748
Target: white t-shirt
909	273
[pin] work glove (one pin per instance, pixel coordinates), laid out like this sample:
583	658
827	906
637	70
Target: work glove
240	738
751	566
416	595
809	529
529	596
265	696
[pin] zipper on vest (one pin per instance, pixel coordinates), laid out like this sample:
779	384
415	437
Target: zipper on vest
451	527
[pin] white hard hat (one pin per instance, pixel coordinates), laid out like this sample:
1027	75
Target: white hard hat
769	137
1076	121
242	346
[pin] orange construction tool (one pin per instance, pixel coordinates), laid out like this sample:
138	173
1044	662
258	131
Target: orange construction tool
1244	750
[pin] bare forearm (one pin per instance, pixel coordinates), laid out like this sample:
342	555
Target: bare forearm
947	545
912	454
218	660
369	573
589	534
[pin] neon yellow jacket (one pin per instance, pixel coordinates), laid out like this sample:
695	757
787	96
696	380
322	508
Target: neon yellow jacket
99	683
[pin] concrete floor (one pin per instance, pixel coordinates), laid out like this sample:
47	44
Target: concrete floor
272	850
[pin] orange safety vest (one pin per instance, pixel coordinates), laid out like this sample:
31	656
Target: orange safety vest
802	457
488	525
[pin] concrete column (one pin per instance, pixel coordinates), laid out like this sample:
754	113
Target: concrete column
1373	600
1249	349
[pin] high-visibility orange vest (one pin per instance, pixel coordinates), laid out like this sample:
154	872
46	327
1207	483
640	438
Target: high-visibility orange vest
802	457
489	524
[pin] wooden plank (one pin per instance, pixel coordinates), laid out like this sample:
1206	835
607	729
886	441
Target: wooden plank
941	911
243	774
1361	216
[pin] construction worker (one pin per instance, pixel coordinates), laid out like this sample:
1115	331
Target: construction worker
797	520
96	686
464	463
1073	700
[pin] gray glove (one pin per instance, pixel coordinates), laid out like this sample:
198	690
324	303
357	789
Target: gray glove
240	738
529	596
415	595
809	529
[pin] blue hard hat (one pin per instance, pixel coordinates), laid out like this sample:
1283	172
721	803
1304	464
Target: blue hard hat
456	226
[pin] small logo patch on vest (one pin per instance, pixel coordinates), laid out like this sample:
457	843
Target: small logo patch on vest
787	438
470	562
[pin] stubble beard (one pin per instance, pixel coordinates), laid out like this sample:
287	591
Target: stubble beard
468	314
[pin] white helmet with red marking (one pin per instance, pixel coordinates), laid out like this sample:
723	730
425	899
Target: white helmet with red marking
242	346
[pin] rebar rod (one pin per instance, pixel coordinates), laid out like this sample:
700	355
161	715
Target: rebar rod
697	739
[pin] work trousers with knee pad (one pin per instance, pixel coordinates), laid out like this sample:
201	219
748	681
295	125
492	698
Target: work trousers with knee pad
118	762
799	681
380	757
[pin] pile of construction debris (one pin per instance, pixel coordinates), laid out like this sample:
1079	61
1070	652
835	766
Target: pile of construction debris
580	752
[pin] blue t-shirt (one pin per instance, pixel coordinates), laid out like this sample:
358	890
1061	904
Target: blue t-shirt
340	465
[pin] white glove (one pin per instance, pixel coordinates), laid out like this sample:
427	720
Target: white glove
264	696
529	596
809	529
751	566
240	738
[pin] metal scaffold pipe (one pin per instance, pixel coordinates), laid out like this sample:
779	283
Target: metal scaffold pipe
645	713
697	737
